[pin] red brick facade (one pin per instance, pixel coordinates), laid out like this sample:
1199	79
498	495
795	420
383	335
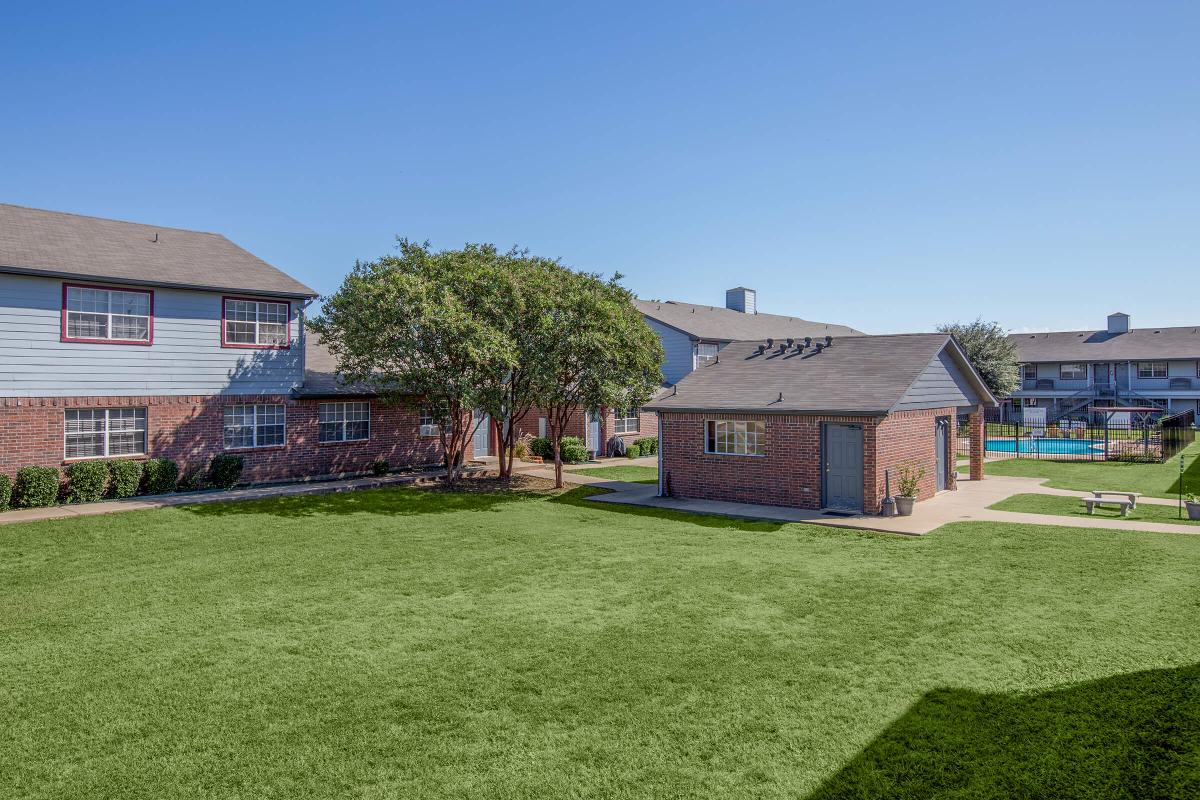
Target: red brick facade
789	474
647	425
189	430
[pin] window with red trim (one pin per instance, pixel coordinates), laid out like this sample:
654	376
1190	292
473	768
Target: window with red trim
99	314
254	323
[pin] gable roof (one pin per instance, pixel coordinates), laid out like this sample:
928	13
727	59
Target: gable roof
320	373
1139	344
57	244
718	324
865	375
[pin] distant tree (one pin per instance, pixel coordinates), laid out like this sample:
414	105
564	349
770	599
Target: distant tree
991	352
419	328
593	350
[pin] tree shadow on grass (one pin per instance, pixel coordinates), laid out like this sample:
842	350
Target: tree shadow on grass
578	497
390	501
1128	736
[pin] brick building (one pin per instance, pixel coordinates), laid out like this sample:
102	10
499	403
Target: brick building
819	424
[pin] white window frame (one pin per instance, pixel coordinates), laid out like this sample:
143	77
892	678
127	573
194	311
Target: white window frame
1166	370
1028	372
428	426
750	440
239	310
1079	373
629	423
705	357
257	410
78	293
106	430
338	416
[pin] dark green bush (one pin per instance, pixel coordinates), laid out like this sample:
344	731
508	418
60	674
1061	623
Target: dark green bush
633	450
572	449
648	445
126	477
541	446
5	492
190	481
36	487
159	476
225	470
86	481
381	467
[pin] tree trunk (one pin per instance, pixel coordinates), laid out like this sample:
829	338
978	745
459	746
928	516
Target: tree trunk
558	479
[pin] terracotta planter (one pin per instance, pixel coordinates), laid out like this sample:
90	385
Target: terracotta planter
904	506
1193	509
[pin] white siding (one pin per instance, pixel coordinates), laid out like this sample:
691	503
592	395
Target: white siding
678	349
185	358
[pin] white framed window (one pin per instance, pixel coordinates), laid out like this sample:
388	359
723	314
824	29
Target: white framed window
260	425
344	422
254	323
96	314
1152	369
735	437
543	426
625	420
705	352
429	425
103	432
1072	372
1029	372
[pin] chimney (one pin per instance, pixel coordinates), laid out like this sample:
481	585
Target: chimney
740	299
1118	323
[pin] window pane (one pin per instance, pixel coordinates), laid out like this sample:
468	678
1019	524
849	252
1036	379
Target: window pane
331	431
358	429
87	326
239	426
276	313
239	332
270	333
136	328
130	303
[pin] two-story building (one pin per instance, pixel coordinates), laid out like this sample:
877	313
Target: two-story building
128	340
1072	372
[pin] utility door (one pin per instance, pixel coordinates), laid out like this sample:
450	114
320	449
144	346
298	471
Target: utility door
482	443
842	460
593	434
942	443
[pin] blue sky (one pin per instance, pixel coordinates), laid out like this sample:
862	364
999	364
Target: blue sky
888	166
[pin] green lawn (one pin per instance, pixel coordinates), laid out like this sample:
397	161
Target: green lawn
1073	506
1155	480
416	644
630	473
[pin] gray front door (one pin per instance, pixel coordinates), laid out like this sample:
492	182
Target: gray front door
842	459
942	443
593	434
483	435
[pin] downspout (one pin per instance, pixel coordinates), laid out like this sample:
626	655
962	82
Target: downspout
658	416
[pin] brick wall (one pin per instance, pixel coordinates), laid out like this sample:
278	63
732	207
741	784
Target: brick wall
188	430
789	474
647	425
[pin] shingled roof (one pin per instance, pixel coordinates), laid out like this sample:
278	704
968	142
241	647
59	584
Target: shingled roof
1137	345
864	375
57	244
717	324
320	373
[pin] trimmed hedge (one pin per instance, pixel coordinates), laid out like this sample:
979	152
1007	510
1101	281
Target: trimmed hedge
225	470
5	492
126	477
159	476
633	450
540	446
86	481
381	467
572	449
648	445
36	487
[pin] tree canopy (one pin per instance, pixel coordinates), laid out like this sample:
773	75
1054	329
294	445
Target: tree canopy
991	352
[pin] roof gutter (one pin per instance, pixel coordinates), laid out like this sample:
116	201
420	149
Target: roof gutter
42	273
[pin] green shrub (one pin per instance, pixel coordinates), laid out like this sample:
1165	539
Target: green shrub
190	481
572	449
381	466
36	487
159	476
648	445
633	450
86	481
225	470
541	446
126	477
5	492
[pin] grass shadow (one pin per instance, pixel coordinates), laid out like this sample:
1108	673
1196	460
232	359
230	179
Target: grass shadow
578	497
391	501
1129	736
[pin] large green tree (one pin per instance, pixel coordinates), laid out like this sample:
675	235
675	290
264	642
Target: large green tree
419	327
992	353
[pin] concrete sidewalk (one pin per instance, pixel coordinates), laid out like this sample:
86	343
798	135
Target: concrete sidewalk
196	498
968	504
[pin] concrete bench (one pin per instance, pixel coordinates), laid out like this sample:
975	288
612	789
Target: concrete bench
1132	497
1092	502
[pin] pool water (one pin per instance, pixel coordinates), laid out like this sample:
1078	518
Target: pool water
1066	447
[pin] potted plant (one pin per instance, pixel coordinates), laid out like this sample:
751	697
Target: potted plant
1193	506
908	486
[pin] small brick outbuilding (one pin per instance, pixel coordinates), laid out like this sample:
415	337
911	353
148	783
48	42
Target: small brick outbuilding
819	424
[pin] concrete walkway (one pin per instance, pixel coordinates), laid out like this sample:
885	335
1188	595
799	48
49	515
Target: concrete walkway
196	498
968	504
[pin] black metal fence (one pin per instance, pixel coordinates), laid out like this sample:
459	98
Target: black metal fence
1094	437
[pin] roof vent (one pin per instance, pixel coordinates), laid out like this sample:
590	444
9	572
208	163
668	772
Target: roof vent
770	342
741	299
820	346
762	348
829	341
808	341
1118	323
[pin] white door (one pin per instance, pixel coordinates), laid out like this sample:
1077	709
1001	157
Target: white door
483	435
593	433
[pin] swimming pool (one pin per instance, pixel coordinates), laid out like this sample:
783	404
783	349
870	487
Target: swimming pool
1065	447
